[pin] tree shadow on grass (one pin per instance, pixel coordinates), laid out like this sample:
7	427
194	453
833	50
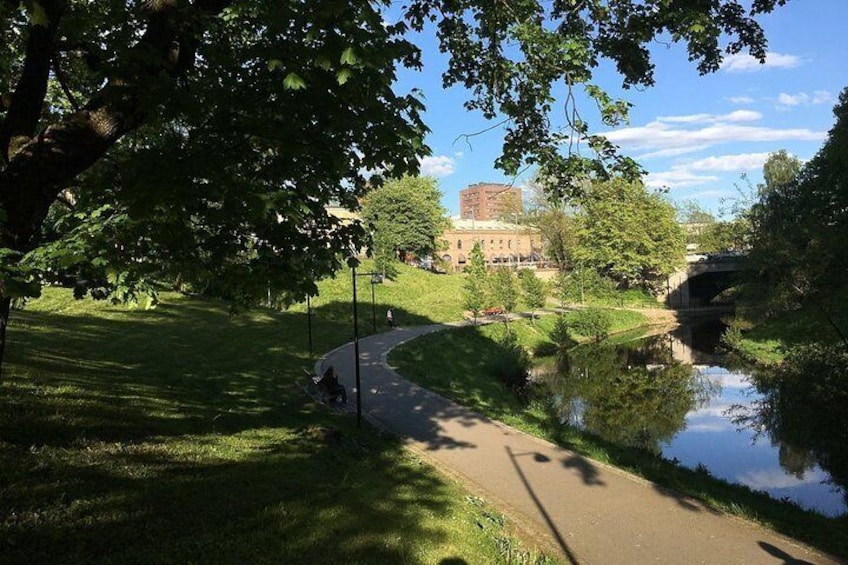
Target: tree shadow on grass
182	435
187	367
154	506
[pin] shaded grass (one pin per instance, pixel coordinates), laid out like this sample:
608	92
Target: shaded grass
182	435
768	341
457	364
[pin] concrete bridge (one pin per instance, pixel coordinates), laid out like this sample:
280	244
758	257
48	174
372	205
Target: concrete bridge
702	280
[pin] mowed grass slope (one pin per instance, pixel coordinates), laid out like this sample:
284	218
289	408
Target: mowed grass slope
182	434
415	296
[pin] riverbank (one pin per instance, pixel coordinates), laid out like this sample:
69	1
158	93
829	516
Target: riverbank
447	364
593	512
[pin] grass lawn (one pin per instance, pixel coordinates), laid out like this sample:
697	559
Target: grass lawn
456	365
415	296
181	434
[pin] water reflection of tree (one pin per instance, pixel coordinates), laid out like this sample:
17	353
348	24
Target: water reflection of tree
629	394
804	410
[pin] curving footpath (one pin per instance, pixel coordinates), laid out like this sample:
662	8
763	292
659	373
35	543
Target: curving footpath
591	512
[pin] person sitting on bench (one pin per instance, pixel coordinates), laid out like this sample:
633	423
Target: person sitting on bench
330	383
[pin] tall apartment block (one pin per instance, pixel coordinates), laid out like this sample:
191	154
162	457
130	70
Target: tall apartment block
488	201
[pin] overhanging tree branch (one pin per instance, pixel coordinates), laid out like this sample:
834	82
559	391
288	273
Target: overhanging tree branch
28	97
42	166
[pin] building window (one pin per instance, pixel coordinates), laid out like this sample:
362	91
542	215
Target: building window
459	244
509	244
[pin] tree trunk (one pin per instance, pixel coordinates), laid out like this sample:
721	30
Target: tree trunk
5	308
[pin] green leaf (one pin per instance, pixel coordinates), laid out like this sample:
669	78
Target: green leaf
293	82
274	64
323	63
344	75
349	57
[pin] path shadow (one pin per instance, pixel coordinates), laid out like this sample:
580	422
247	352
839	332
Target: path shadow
540	458
588	472
780	554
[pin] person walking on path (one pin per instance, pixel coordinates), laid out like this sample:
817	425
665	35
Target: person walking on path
390	318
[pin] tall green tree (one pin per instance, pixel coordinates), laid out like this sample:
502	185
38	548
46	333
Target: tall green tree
504	291
800	225
629	234
780	169
534	290
203	138
407	218
476	282
554	220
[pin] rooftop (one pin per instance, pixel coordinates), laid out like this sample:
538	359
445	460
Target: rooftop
484	225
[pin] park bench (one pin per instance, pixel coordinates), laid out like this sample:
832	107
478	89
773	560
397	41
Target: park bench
324	391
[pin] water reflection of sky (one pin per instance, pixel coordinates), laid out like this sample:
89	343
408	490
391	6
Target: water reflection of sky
713	440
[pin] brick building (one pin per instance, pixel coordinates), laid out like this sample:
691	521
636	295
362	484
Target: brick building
502	243
487	201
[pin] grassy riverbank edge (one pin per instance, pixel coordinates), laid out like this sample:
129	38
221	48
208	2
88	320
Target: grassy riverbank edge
467	378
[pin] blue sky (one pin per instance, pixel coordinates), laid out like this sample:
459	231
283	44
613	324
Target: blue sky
694	134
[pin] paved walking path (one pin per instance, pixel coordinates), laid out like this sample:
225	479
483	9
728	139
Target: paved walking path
594	513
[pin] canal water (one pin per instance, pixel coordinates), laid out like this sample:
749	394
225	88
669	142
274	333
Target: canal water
674	395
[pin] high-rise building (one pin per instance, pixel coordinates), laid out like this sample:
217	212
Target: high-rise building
489	201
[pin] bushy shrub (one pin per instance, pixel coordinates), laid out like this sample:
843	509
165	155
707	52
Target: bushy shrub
591	322
512	365
559	334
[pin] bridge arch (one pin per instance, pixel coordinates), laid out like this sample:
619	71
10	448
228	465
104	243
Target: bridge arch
700	282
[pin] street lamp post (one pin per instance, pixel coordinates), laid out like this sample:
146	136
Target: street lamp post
309	322
373	304
353	276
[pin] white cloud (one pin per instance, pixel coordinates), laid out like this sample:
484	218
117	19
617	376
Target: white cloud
764	479
785	100
672	152
823	97
792	99
677	178
735	116
677	135
740	99
438	166
741	63
710	427
729	163
459	154
692	173
688	119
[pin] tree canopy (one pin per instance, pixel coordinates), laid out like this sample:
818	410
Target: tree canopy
407	218
202	139
476	282
629	234
800	223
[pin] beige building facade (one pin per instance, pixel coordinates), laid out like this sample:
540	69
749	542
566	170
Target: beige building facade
502	243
